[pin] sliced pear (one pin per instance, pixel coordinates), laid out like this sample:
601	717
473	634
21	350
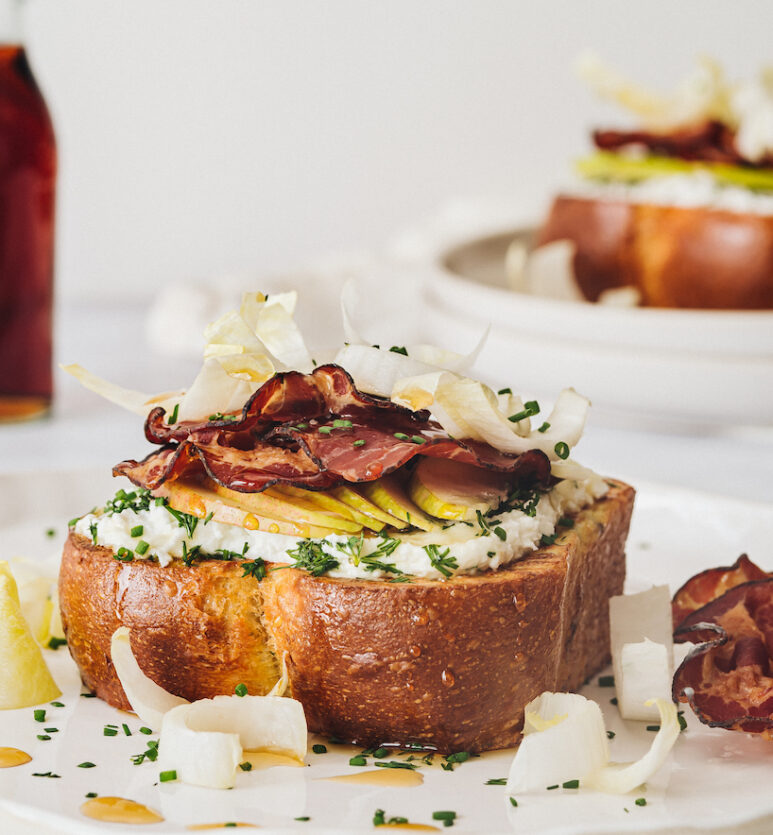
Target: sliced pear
276	506
389	494
351	497
328	502
200	502
24	678
451	490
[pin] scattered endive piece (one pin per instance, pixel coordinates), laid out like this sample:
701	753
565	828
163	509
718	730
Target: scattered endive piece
204	741
24	677
565	739
642	650
148	700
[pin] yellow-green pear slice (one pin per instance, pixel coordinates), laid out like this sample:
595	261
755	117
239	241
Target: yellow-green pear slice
351	497
200	501
276	506
389	494
452	490
328	502
24	677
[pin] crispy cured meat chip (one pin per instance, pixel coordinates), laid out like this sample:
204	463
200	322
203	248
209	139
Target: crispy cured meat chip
710	584
727	678
312	431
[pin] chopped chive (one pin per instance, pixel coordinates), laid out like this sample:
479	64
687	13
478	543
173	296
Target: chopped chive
207	518
88	695
682	721
550	788
43	736
57	704
87	764
240	689
380	753
443	816
246	766
544	428
396	764
417	439
51	730
50	532
571	784
144	730
613	701
173	417
137	530
358	760
91	794
110	732
73	522
653	727
496	781
55	643
340	423
606	681
546	539
126	729
610	734
505	391
325	430
501	533
562	450
399	349
167	776
141	547
401	436
513	801
319	748
45	774
303	818
530	408
359	442
40	715
641	801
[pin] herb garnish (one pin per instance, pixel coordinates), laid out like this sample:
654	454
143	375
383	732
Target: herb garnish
136	500
173	417
310	556
496	781
399	349
55	643
544	428
508	390
562	450
150	753
530	408
255	568
440	560
184	520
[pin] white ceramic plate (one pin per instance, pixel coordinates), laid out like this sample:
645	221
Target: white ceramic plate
647	367
713	779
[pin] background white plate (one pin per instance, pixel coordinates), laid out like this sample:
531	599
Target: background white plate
714	778
677	369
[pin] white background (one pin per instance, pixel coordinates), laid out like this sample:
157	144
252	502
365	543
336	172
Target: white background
199	137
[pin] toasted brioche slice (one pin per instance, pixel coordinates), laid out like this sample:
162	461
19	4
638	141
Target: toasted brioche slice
444	664
675	256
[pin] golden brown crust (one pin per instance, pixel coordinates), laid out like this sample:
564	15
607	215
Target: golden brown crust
449	664
195	631
676	257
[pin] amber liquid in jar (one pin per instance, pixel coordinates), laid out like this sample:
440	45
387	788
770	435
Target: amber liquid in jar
27	182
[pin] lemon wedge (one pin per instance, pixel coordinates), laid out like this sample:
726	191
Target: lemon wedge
24	677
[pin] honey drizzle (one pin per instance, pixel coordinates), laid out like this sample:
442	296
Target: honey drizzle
119	810
11	757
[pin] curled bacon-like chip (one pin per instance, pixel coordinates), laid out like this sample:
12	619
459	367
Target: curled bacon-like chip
710	584
287	397
710	141
314	431
727	677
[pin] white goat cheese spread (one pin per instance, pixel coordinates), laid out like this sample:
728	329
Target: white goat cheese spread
695	190
471	548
